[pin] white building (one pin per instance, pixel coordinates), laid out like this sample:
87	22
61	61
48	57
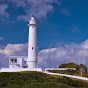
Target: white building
17	62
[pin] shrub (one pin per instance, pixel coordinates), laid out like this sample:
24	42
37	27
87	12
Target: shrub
37	80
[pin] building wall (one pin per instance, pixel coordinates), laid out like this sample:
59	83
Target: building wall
19	70
59	69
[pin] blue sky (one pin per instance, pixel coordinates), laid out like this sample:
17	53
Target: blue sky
66	22
62	23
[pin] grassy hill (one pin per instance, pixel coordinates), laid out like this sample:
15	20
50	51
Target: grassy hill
68	65
38	80
79	68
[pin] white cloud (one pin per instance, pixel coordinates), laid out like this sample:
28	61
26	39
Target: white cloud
3	13
11	49
47	50
39	8
52	57
66	11
18	3
77	53
1	38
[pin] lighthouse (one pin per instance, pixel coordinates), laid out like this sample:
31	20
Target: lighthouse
32	43
29	63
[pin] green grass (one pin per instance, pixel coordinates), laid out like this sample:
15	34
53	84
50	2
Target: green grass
38	80
86	75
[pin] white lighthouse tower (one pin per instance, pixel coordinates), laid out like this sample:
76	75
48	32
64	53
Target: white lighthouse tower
32	43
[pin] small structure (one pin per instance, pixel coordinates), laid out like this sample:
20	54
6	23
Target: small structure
17	62
62	69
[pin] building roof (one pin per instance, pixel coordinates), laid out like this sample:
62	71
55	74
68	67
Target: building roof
24	57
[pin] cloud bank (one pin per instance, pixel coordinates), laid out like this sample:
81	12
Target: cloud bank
76	53
3	13
39	8
1	38
52	57
11	50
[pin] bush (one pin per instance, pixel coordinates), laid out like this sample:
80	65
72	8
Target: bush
37	80
47	85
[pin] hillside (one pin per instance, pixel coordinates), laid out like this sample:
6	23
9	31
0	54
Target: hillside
38	80
81	69
73	65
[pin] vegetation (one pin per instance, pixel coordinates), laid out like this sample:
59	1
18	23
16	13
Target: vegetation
69	72
68	65
38	80
79	68
86	75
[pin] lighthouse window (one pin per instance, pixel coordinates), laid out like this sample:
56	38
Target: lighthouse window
32	48
15	60
25	62
11	61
